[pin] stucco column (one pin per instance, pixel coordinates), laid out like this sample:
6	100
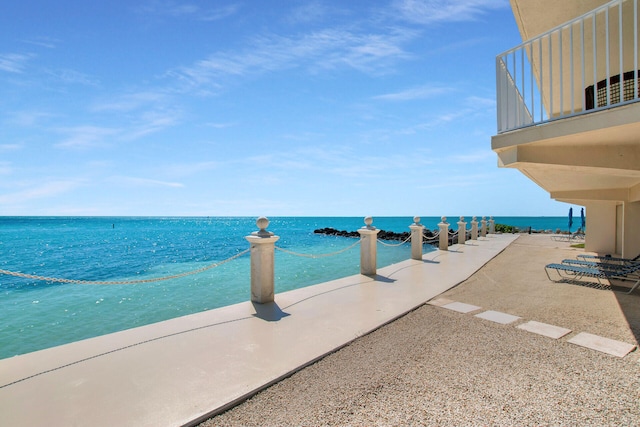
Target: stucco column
368	247
262	247
416	238
483	230
444	234
474	229
462	231
492	226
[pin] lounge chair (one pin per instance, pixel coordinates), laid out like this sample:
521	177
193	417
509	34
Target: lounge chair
577	236
621	268
577	273
610	259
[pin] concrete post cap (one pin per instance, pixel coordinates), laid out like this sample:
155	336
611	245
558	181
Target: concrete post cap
262	223
368	220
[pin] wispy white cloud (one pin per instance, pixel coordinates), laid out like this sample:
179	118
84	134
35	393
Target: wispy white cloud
222	125
312	11
142	121
85	136
435	121
5	167
302	136
472	157
13	62
41	191
433	11
186	169
27	118
337	161
48	42
320	50
188	10
68	76
477	101
456	180
420	92
143	182
10	147
216	14
130	101
151	122
461	45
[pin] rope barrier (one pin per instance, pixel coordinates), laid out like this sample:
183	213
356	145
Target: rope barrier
394	245
122	282
318	255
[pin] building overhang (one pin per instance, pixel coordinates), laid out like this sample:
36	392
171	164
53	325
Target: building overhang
592	156
534	17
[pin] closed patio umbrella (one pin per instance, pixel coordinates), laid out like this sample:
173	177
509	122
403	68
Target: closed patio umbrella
570	218
582	218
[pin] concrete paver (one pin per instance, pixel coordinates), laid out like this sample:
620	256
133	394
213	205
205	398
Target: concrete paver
461	307
604	345
544	329
498	317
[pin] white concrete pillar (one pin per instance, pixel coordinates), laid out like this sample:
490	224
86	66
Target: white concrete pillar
492	226
262	249
631	229
444	234
474	229
416	238
601	220
462	231
483	228
368	247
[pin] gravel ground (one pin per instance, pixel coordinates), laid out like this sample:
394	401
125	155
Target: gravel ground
438	367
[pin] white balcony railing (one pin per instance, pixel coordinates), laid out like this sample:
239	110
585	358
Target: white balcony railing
584	65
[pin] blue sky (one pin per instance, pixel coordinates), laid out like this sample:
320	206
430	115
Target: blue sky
316	108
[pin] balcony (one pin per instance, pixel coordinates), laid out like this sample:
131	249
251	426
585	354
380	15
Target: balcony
586	65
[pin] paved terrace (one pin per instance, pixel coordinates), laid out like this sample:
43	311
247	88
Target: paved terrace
506	347
178	371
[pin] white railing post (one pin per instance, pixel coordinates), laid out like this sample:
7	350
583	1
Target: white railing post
483	229
492	226
444	234
462	231
368	247
416	238
474	229
262	248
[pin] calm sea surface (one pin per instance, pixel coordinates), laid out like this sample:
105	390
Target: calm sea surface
38	314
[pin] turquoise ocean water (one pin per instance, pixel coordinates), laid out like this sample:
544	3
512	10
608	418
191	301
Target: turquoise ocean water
37	314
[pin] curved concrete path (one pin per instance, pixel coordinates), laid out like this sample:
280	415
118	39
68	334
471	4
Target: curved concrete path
181	371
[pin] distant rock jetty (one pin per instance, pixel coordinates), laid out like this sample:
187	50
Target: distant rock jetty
430	237
382	234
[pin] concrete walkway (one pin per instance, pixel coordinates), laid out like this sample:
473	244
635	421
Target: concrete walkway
180	371
443	365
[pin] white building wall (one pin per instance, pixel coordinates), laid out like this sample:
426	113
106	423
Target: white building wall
601	227
631	230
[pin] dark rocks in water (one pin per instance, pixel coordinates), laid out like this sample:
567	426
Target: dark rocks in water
390	235
333	232
382	234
